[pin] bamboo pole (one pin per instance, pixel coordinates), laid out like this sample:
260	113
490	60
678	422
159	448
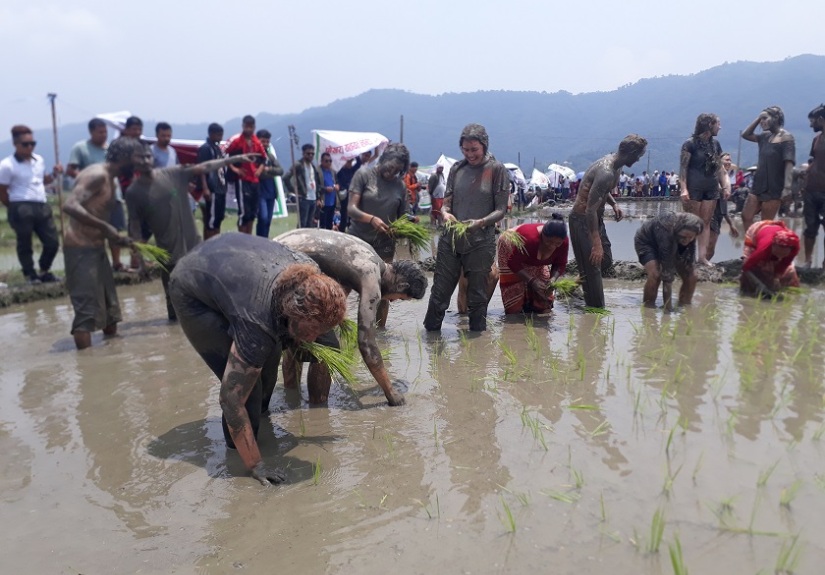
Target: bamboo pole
59	179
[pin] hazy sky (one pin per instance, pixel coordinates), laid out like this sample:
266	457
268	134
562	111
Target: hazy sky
205	60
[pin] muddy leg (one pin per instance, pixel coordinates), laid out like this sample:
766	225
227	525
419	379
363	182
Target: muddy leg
318	383
461	299
292	370
749	211
651	289
82	339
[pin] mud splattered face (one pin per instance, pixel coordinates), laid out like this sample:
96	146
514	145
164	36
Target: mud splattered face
390	170
302	330
473	152
142	161
685	237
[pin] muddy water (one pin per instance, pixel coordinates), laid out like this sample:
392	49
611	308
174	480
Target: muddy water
114	459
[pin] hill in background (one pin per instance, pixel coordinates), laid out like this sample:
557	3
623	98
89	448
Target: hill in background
558	127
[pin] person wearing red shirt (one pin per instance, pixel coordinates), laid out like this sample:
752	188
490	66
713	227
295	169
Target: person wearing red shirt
770	248
245	185
526	275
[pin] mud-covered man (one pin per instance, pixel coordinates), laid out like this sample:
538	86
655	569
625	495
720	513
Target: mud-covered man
89	277
355	265
586	223
239	300
478	189
813	191
160	197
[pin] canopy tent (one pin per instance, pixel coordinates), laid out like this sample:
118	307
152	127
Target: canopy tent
343	146
445	161
539	180
562	170
517	174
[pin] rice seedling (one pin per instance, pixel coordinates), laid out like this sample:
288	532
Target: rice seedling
765	474
602	507
561	496
508	352
509	521
523	498
348	335
578	477
667	488
596	310
565	286
788	494
339	362
583	407
428	510
456	229
601	429
698	466
676	559
514	239
152	253
530	334
657	529
788	559
418	235
316	471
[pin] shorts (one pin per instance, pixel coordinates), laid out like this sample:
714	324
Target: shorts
214	211
646	251
246	194
703	195
813	210
718	215
768	196
118	216
91	286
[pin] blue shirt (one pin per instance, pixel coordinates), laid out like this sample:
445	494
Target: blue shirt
329	181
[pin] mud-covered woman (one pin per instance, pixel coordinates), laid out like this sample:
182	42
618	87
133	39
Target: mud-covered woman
666	246
770	248
378	197
240	299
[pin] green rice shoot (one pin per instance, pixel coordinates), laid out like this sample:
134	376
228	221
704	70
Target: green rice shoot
565	286
515	239
418	235
457	229
596	310
339	362
152	253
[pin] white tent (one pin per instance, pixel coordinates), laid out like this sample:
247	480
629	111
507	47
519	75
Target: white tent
519	175
539	180
562	170
445	161
343	146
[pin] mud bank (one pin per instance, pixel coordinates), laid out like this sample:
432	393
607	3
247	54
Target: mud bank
29	293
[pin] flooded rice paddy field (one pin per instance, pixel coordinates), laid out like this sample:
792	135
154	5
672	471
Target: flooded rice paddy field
546	445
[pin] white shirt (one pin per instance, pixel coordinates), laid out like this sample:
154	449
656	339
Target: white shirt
24	179
309	178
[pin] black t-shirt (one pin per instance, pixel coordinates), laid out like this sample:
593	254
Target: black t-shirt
770	168
704	164
216	180
234	275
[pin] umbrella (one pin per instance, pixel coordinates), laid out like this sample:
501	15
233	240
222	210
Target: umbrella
517	173
562	170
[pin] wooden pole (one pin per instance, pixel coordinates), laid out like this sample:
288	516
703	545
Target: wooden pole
59	179
739	151
293	141
402	128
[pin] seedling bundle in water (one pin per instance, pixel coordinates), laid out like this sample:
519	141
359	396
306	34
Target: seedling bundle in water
418	235
339	362
514	239
565	286
153	253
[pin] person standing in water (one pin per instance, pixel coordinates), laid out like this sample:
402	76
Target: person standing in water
600	179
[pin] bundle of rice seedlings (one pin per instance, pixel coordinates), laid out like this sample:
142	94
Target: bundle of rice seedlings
339	362
457	229
596	310
565	286
152	253
348	336
418	235
515	239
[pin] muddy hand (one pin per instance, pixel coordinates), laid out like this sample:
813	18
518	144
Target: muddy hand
245	158
596	255
268	476
395	399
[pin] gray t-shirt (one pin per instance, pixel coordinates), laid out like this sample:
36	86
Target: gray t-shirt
84	154
234	275
380	198
474	192
163	202
770	168
164	158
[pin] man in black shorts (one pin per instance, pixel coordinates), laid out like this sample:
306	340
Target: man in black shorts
813	191
212	184
720	213
239	299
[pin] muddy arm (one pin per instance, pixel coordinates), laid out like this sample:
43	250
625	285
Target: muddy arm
602	184
748	133
239	380
367	311
4	194
667	294
761	288
212	165
684	160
